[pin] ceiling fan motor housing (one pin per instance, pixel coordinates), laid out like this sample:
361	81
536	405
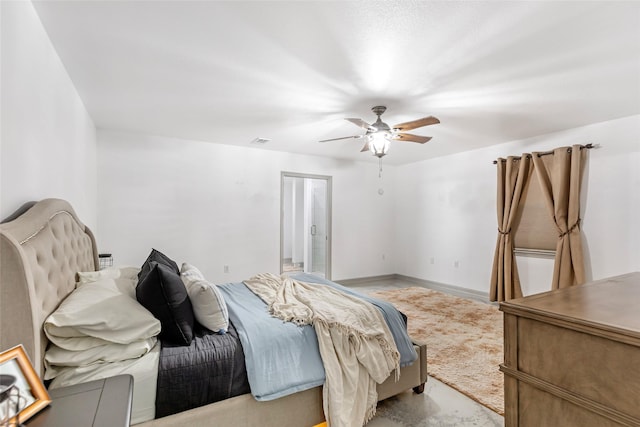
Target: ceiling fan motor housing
378	110
379	125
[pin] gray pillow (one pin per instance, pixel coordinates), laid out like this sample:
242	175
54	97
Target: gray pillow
209	306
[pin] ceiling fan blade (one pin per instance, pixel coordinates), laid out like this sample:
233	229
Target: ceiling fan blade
344	137
365	148
425	121
412	138
359	122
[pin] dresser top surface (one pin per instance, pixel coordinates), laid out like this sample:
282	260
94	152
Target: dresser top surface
612	303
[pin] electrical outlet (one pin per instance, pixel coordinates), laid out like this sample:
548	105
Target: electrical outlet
226	268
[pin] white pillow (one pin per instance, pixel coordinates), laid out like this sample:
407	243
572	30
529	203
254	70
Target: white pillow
57	358
96	313
208	304
94	276
125	278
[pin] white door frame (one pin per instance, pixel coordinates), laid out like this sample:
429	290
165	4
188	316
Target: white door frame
329	214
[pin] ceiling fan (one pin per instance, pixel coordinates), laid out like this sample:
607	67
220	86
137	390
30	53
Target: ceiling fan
379	134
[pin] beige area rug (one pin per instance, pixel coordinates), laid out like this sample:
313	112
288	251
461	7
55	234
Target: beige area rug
464	340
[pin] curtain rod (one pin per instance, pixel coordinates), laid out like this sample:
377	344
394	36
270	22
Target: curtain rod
546	153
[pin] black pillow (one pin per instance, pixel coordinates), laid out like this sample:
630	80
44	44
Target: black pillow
162	292
160	258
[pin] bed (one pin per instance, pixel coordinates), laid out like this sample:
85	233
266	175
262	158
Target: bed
41	251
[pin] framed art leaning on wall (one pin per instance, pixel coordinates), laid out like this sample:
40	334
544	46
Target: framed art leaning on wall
22	394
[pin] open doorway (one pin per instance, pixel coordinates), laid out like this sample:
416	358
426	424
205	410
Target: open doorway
305	224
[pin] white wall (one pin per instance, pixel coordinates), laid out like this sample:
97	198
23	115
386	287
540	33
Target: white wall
48	140
446	210
214	205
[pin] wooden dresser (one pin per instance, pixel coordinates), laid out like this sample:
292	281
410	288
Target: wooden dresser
572	356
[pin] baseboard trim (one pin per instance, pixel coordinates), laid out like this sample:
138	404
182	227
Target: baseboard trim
448	289
429	284
366	280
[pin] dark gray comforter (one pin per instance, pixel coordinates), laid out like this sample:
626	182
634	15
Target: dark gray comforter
211	369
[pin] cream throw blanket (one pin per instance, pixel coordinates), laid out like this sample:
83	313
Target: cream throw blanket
356	345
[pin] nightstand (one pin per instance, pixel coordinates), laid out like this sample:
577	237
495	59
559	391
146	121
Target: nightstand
100	403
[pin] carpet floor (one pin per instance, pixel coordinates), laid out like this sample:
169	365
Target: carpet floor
464	340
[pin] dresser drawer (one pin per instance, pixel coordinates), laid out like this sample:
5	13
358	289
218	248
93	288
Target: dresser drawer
592	367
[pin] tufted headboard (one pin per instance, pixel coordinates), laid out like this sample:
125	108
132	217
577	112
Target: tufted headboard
40	253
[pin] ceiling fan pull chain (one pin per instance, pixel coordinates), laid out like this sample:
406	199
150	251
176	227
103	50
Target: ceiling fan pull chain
380	171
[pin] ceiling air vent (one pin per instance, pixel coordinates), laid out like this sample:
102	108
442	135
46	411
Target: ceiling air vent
260	141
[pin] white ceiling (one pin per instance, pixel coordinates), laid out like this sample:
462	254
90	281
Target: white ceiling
228	72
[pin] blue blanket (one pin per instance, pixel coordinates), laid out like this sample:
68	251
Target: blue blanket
283	358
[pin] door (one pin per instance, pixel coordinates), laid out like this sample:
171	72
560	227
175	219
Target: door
317	193
305	224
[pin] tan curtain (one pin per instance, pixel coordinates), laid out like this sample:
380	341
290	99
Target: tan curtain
512	175
560	176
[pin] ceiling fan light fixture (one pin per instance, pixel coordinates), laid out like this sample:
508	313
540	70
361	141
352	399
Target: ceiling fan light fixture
379	143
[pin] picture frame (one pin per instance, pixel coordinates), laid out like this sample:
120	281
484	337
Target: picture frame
22	394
